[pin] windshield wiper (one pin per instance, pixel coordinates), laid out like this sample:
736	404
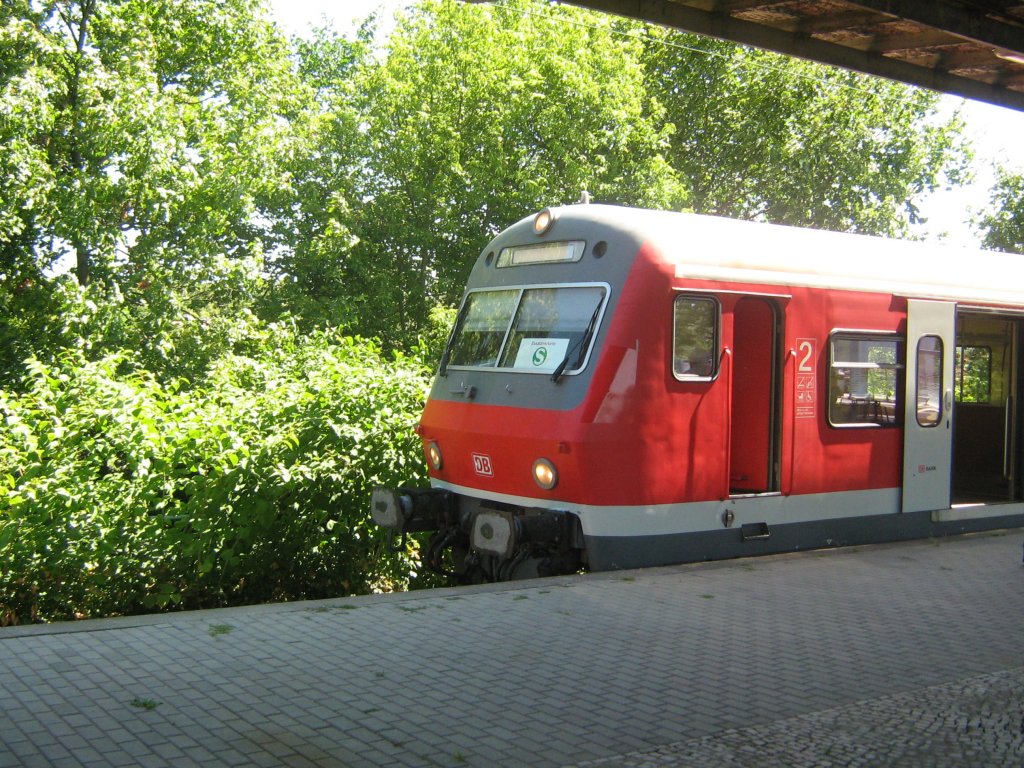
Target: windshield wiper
580	345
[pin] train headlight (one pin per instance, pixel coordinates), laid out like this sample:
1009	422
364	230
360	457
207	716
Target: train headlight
434	454
493	533
390	509
545	474
543	221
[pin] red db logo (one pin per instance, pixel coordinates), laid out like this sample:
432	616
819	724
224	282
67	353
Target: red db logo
482	465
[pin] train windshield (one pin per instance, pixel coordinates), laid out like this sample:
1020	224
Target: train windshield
539	329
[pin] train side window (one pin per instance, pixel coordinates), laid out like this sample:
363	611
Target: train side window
973	374
864	380
695	337
929	381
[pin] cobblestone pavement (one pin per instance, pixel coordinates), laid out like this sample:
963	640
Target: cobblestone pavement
902	655
973	722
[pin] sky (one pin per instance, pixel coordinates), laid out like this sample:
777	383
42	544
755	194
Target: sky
997	133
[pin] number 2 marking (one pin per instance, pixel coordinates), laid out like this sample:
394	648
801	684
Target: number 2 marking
806	351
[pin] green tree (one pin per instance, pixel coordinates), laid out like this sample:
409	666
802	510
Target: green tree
472	117
757	135
1003	221
312	215
142	141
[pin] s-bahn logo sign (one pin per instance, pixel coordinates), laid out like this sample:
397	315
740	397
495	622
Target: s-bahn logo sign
541	355
482	465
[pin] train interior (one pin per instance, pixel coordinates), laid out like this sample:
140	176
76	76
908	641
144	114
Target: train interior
987	425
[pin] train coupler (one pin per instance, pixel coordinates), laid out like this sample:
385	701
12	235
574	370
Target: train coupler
543	542
411	510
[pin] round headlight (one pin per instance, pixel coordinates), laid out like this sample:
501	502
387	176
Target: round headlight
434	454
545	474
543	221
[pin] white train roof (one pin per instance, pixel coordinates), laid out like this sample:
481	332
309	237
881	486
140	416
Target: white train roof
716	248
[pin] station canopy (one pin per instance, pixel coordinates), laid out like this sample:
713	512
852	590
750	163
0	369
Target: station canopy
969	48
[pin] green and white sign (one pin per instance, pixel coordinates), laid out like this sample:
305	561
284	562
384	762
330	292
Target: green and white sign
542	355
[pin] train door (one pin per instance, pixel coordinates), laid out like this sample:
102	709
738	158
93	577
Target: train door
928	406
753	454
987	386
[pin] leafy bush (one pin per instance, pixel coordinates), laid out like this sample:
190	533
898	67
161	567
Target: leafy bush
174	328
122	494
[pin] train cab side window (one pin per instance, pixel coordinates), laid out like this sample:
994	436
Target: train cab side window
695	338
864	377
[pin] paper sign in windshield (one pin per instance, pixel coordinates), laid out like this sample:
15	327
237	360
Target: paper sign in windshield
541	355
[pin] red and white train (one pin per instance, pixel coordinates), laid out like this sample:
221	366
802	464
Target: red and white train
628	388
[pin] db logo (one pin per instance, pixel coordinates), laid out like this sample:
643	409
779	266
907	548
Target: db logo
482	465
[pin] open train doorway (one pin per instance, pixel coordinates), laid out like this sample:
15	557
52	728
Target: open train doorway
753	455
987	381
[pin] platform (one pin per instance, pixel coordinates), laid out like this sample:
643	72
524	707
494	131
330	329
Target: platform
898	655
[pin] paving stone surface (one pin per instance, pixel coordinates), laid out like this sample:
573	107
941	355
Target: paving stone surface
974	722
901	655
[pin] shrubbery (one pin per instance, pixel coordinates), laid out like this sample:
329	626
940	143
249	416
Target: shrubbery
120	493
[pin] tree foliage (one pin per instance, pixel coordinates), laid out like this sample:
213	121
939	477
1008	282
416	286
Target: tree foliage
761	136
1003	221
141	142
472	117
120	494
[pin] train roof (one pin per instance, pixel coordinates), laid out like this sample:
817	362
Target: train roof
716	248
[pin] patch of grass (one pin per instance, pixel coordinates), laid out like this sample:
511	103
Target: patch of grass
147	704
216	630
708	597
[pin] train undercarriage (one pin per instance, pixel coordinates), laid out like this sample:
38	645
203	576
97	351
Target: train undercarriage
474	541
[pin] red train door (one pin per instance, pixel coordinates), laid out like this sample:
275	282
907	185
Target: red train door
753	465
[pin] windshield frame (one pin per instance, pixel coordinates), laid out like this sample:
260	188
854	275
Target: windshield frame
520	291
